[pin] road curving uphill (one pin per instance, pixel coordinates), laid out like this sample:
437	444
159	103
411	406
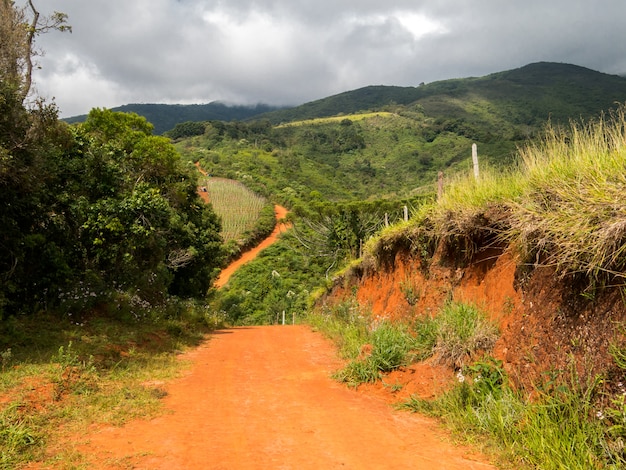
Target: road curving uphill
249	255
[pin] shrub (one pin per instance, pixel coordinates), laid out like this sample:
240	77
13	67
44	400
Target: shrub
391	346
462	330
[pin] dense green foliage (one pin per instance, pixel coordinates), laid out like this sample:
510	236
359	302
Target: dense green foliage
384	156
101	206
279	280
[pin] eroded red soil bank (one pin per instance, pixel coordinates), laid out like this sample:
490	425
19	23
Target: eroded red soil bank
544	321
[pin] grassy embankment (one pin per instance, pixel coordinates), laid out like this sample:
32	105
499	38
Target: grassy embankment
562	207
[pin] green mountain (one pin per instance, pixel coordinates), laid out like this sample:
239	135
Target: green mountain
530	94
165	116
333	150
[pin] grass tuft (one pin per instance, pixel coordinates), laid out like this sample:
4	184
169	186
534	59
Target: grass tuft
462	330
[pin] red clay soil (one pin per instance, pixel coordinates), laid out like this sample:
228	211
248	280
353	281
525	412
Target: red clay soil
545	325
262	398
249	255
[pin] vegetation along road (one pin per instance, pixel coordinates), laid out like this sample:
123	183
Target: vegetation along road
262	397
227	272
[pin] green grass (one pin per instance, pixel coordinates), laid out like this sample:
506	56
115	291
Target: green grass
336	119
453	335
461	330
559	428
345	324
572	214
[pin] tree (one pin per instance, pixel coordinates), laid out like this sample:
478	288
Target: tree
29	255
141	222
104	203
18	29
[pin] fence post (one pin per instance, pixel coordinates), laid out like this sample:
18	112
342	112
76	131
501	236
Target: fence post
386	220
475	159
406	213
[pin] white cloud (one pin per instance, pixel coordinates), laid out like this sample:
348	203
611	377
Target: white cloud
77	83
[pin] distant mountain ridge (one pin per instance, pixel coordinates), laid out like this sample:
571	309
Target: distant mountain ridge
537	92
165	116
530	95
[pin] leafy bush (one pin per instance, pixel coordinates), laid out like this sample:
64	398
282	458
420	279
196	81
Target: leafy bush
110	203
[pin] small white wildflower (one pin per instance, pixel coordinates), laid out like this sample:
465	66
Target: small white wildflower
600	415
460	376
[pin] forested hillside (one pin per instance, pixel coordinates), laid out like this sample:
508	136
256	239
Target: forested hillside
391	142
528	95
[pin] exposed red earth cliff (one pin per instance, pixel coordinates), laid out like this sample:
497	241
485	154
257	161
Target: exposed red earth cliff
545	322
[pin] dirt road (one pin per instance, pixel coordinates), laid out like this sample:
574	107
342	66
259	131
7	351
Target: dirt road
249	255
262	398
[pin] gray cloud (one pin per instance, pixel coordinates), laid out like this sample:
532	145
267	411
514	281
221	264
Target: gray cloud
293	51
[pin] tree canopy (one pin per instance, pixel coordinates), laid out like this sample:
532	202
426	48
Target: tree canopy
99	207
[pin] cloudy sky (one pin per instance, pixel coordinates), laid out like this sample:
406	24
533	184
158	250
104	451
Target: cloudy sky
288	52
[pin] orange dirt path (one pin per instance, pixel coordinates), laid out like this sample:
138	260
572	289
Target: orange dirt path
262	398
249	255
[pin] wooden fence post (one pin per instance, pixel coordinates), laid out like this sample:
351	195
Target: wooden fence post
406	213
475	159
